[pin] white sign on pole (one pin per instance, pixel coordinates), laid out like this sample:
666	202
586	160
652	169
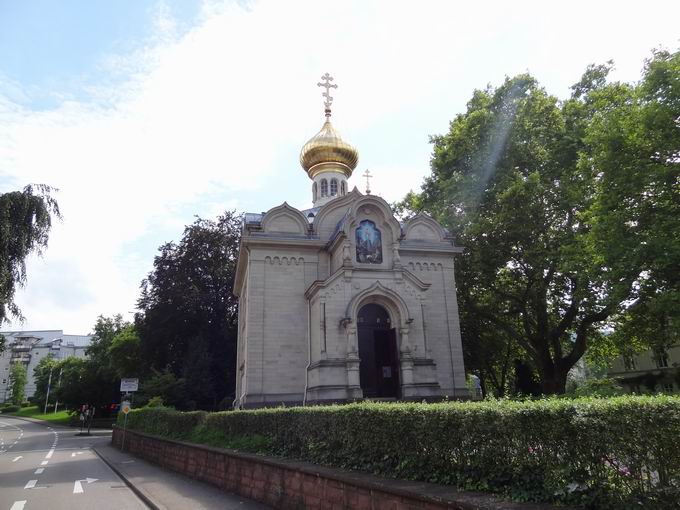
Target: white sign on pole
127	385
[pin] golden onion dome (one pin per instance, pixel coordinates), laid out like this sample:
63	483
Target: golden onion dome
328	151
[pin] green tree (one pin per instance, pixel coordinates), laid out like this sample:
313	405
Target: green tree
75	389
18	377
25	222
166	386
520	179
188	318
634	143
41	375
124	352
95	381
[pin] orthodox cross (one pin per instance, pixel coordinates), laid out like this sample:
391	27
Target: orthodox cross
327	79
368	175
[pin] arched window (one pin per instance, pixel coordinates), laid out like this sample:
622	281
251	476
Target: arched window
324	188
343	190
334	187
314	192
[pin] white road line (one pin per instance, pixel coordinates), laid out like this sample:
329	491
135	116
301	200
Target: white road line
44	463
49	454
18	505
17	458
39	471
31	484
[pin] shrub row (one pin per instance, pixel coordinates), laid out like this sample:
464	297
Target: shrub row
618	453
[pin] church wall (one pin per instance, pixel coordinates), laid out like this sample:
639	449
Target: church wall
243	308
285	328
276	332
441	316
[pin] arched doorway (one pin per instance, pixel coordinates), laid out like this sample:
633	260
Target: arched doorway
379	365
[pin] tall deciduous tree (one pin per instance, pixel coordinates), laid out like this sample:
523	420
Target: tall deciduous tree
544	195
25	222
188	318
41	376
634	142
18	377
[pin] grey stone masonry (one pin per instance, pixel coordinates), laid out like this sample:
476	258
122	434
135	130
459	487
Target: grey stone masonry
303	281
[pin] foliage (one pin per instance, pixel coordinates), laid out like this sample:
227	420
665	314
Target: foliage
164	385
19	378
124	352
634	144
163	421
10	409
188	319
604	387
41	376
155	402
95	381
601	453
25	222
569	213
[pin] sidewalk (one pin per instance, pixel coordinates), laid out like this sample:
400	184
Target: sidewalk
165	490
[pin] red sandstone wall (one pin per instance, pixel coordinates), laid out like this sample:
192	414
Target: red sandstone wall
294	485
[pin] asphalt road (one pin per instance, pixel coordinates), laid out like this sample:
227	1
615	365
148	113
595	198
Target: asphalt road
52	468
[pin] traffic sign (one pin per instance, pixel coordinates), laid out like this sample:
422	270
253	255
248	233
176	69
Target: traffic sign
125	407
129	384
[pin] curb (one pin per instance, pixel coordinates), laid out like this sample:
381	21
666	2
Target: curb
138	492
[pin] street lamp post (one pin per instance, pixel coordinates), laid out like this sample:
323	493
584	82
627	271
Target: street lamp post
47	397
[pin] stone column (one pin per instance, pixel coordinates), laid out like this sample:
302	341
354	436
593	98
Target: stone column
404	346
352	361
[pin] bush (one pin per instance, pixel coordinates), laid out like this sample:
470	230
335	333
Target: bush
10	408
163	421
599	388
601	453
155	402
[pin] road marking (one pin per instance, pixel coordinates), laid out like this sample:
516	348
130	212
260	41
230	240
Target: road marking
31	484
18	505
44	463
76	453
127	462
49	454
17	458
39	471
78	488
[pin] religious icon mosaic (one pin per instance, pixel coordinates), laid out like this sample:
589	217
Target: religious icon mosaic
369	243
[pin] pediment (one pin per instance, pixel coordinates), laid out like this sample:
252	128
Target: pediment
423	227
285	219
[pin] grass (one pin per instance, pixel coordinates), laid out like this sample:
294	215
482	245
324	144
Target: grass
60	418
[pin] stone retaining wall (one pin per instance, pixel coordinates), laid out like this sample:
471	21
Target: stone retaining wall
289	484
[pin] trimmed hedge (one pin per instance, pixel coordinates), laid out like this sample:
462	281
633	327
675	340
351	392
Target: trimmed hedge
613	453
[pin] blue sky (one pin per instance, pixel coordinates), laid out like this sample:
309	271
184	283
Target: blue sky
146	113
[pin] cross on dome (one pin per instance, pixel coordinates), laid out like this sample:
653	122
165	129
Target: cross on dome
368	175
326	83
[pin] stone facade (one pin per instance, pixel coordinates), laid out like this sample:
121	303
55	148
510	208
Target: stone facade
302	300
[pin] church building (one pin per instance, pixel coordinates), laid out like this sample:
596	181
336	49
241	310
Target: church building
342	302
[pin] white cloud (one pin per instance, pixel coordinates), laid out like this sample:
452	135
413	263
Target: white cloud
202	118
